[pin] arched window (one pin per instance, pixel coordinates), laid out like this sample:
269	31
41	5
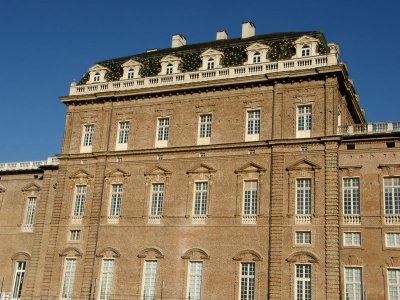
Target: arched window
305	50
257	57
131	73
96	77
170	69
210	64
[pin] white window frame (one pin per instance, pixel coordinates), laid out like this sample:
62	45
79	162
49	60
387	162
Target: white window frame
306	50
304	196
122	135
106	279
303	237
200	201
149	284
352	239
30	212
304	120
355	283
169	69
393	283
78	208
250	201
390	191
162	135
351	196
87	138
305	280
74	235
68	278
131	74
157	198
96	77
395	237
115	203
247	281
253	124
205	129
18	282
210	63
194	280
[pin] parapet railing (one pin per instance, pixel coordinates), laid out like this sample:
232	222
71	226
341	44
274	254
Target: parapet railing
206	75
28	165
369	128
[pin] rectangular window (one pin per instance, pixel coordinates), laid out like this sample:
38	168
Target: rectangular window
122	136
163	129
394	284
157	199
19	279
116	201
353	283
205	126
149	280
29	214
303	237
74	235
195	276
352	239
392	195
351	196
304	117
88	135
303	282
247	281
303	196
200	199
80	199
250	197
69	276
392	239
106	279
253	122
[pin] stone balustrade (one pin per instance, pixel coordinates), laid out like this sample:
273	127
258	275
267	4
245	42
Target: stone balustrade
154	219
303	219
199	219
249	219
369	128
113	219
351	220
28	165
392	219
206	75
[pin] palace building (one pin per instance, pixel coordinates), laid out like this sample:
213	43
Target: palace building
240	168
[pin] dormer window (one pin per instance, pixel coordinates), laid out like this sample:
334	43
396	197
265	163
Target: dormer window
305	50
169	69
210	64
96	77
97	73
257	57
131	73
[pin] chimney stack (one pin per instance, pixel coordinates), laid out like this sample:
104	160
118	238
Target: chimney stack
222	35
248	29
178	40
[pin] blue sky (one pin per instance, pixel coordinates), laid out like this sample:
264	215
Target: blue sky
46	44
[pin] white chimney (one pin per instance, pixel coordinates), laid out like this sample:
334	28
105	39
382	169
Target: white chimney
222	35
178	40
248	29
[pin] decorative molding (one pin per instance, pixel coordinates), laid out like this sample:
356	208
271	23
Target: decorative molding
250	167
303	257
151	252
21	256
248	255
201	169
80	174
109	252
303	164
71	251
195	253
31	187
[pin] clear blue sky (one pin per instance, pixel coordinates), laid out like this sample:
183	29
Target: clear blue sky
46	44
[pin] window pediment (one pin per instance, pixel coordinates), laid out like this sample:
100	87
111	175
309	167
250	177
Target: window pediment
71	251
195	253
303	164
211	53
131	63
257	47
201	169
109	252
248	255
158	171
308	42
353	260
80	174
31	187
117	173
305	39
131	69
250	167
97	73
151	253
303	257
211	59
170	59
21	256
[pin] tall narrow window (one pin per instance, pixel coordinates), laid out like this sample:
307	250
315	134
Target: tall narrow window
19	279
69	277
394	284
210	64
306	50
304	121
88	135
162	132
107	275
200	202
115	203
353	283
123	132
205	126
29	214
303	282
256	57
169	69
157	202
79	206
392	195
351	201
250	199
195	277
253	122
149	280
247	281
131	73
303	200
96	77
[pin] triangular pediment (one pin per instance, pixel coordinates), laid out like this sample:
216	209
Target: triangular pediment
157	171
131	63
117	173
257	46
98	67
80	174
201	168
250	168
170	58
306	39
211	52
2	189
31	187
303	164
